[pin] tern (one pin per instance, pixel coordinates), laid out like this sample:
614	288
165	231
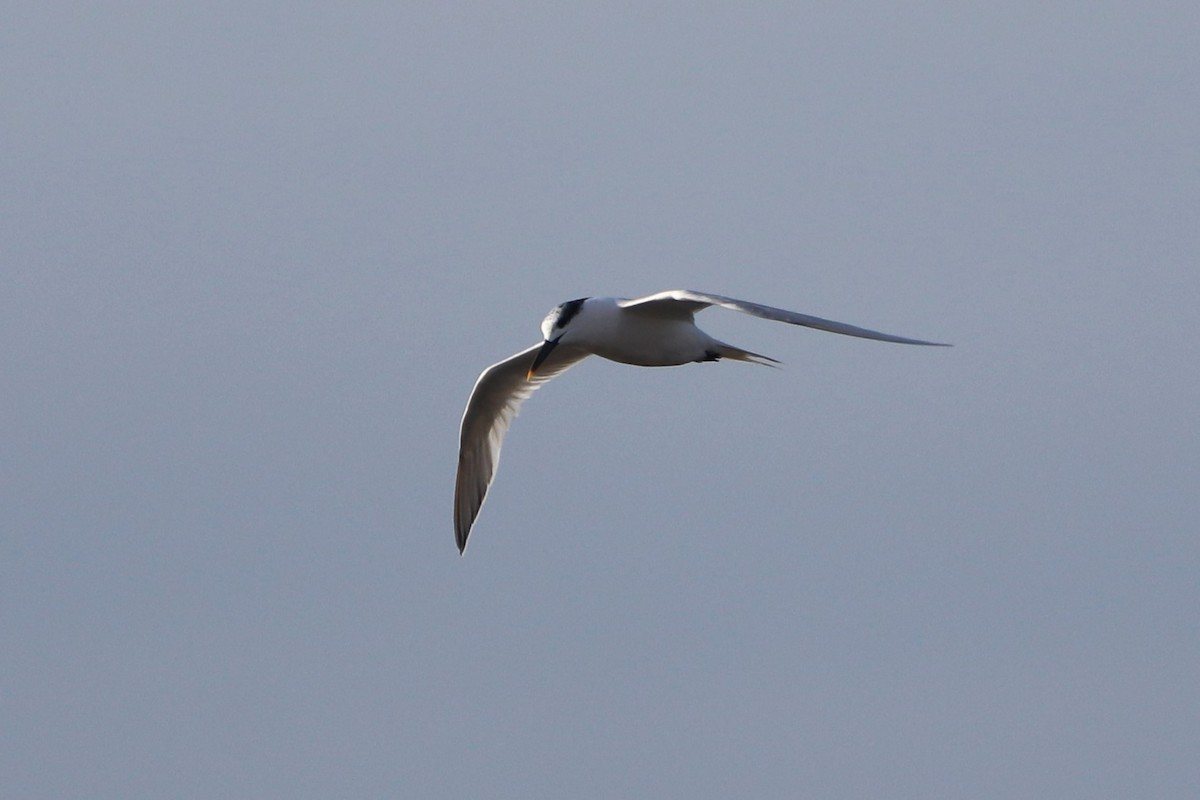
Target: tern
654	331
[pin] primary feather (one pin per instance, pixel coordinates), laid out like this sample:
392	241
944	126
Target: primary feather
494	402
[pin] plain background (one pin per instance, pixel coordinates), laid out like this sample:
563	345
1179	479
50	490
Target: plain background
253	256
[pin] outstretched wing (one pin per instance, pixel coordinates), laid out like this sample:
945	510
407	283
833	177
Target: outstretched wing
494	402
685	301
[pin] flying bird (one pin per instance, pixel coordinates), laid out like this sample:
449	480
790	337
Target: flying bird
654	331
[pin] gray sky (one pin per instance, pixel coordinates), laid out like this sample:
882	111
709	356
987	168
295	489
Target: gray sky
253	258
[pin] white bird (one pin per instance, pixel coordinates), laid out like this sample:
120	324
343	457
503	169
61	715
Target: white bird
654	331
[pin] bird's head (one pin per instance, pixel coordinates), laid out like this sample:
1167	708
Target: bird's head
555	326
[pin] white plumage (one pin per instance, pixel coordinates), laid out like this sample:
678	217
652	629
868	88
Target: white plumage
654	331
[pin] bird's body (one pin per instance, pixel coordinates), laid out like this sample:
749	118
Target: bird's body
654	331
644	336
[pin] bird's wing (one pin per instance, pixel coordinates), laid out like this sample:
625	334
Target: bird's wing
494	402
685	301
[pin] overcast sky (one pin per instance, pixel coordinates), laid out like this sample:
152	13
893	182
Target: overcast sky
253	257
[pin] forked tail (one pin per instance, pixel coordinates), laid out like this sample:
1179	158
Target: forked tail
722	350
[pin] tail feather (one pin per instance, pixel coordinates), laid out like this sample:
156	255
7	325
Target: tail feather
723	350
